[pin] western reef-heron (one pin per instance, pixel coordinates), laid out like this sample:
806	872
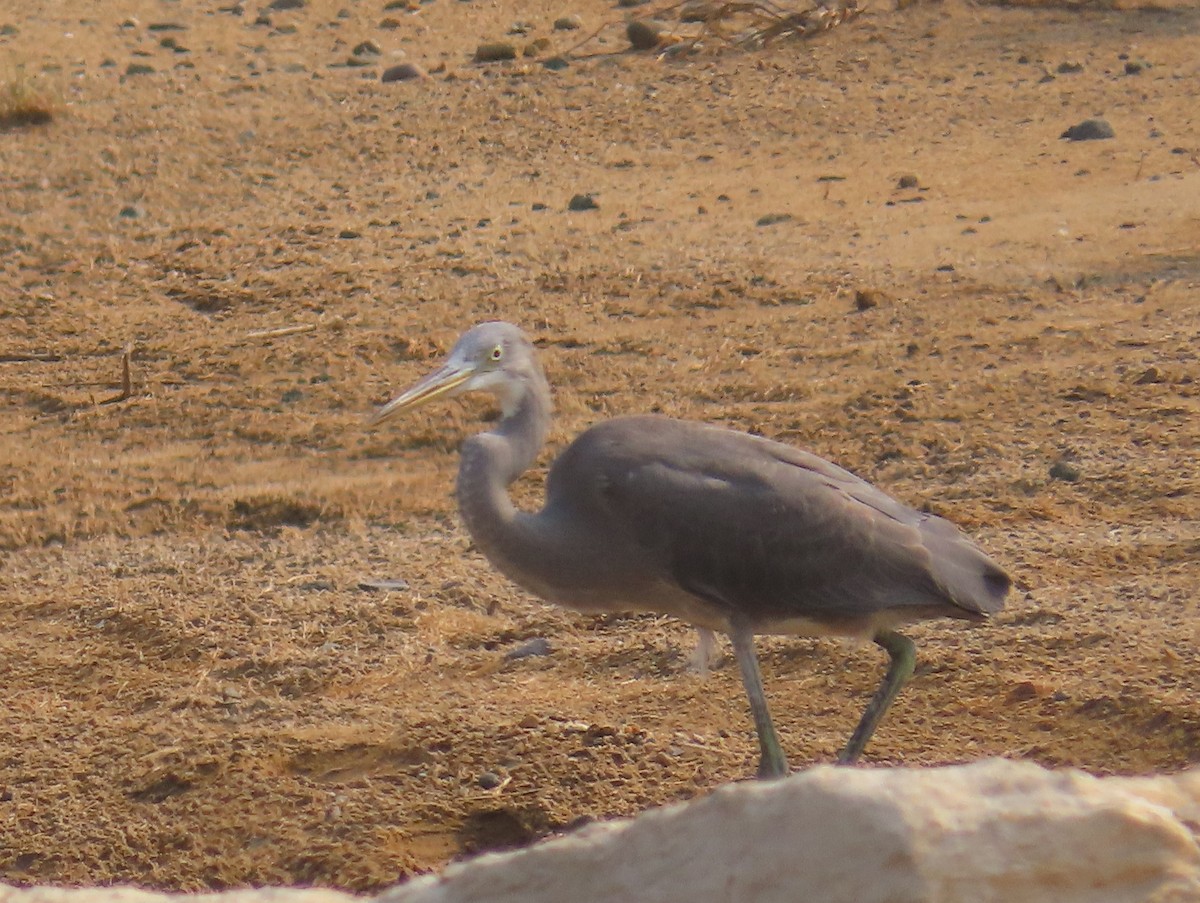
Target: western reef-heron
727	531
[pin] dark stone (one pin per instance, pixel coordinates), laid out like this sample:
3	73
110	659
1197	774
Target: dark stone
403	72
1089	130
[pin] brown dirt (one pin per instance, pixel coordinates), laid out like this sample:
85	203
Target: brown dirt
196	693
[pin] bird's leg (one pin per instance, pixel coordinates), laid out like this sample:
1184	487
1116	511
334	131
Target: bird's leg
773	763
903	659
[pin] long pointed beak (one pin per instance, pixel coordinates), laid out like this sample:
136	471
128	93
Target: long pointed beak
441	381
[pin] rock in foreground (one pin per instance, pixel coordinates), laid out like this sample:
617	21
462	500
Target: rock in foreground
995	831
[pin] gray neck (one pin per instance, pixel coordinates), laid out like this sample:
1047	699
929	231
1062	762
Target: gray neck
515	542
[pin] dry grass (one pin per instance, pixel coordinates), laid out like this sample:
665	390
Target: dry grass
25	101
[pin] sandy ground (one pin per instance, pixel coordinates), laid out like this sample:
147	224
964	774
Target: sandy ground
197	693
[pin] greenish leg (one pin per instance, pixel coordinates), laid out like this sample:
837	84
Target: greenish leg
904	658
773	763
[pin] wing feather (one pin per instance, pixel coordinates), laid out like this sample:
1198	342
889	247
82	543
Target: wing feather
769	531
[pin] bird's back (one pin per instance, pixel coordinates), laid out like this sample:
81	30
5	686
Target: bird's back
764	533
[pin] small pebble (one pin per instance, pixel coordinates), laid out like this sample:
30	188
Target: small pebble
772	219
138	69
349	233
556	63
582	202
1089	130
403	72
538	646
908	181
495	52
697	11
1065	471
131	211
867	298
536	47
286	4
383	585
643	35
366	48
489	780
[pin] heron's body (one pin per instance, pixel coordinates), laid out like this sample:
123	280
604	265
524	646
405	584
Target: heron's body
727	531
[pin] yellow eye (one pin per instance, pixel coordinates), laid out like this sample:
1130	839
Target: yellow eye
497	353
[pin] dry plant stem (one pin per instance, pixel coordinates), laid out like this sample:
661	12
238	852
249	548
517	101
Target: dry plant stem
126	381
280	332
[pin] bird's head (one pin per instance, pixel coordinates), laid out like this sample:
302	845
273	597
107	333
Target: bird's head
497	358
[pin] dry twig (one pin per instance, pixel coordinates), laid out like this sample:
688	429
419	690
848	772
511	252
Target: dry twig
126	380
280	332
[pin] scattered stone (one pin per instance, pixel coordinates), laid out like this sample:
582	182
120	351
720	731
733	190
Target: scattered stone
343	13
349	233
1065	471
395	4
131	211
166	26
286	4
642	34
1069	68
286	29
1150	375
629	4
1089	130
131	22
538	205
402	72
357	62
909	181
772	219
568	23
389	24
138	69
495	51
582	202
489	780
169	43
366	48
1134	67
383	585
536	47
262	20
537	646
520	28
697	11
556	63
867	298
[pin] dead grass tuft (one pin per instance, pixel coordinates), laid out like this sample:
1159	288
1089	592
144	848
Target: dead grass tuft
26	102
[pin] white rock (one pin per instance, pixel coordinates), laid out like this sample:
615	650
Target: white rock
991	832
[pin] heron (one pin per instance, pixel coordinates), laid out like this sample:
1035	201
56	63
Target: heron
727	531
